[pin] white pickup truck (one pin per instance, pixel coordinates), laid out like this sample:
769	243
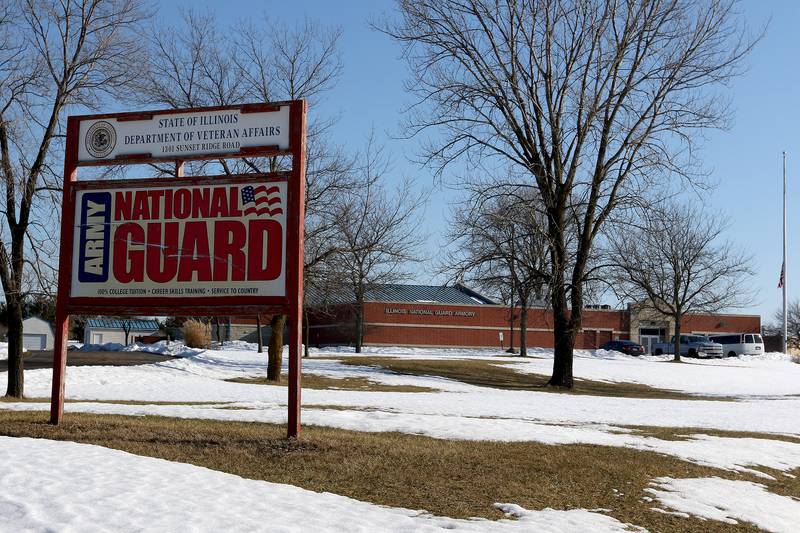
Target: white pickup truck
691	346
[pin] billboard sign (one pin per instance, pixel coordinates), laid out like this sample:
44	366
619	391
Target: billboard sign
212	240
184	246
183	134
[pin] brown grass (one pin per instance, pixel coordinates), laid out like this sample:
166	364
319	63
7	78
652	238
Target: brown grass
487	373
452	478
196	334
677	433
312	381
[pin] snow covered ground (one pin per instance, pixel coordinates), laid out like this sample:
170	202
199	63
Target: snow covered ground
4	351
747	376
767	391
729	501
456	410
47	485
768	375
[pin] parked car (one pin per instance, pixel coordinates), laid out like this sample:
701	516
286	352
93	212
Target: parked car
691	346
626	347
734	344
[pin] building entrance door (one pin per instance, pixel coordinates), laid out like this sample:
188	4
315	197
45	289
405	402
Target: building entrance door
648	341
650	336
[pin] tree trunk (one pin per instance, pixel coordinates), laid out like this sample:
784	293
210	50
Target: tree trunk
219	331
564	322
511	322
258	334
306	332
16	376
275	350
523	326
677	342
564	333
359	329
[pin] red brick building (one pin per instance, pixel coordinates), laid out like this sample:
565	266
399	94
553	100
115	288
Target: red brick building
423	315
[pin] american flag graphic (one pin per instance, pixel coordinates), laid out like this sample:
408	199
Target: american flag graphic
261	199
782	279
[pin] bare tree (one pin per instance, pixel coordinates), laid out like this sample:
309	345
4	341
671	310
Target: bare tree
792	323
53	55
587	100
327	281
675	263
500	244
379	231
330	176
194	68
126	327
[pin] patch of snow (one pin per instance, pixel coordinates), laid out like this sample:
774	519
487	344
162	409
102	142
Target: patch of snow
729	453
770	374
241	346
107	347
231	362
745	376
4	351
728	501
90	488
200	379
173	348
406	351
767	356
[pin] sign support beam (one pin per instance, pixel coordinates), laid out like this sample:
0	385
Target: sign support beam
295	258
64	274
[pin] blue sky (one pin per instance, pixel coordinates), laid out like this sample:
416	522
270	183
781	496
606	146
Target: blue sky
745	161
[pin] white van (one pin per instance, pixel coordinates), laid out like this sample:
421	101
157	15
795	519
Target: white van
735	344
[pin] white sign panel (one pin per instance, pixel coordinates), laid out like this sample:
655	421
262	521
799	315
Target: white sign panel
211	240
183	134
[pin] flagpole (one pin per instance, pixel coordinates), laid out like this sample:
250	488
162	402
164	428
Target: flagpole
785	269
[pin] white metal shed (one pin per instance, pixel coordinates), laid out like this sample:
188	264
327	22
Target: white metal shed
105	330
37	334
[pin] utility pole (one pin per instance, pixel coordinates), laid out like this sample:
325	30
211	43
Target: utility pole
784	269
259	337
511	322
513	278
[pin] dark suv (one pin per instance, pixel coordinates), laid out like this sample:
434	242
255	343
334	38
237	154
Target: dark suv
626	347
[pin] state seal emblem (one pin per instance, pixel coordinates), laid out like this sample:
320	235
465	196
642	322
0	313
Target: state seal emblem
101	139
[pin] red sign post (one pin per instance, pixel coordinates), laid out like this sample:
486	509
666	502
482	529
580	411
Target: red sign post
202	245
